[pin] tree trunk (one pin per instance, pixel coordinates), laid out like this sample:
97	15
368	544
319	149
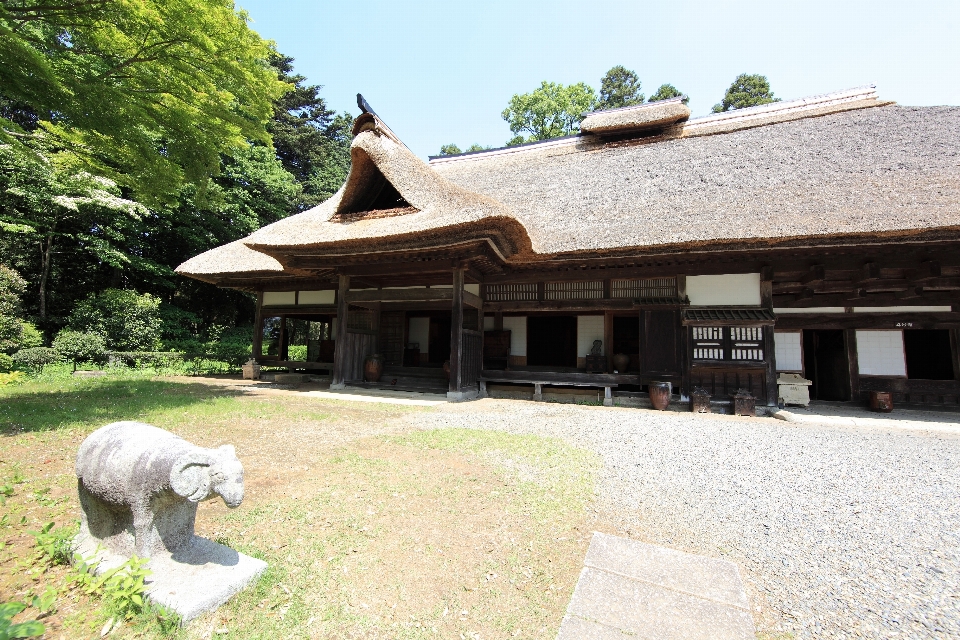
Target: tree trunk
44	274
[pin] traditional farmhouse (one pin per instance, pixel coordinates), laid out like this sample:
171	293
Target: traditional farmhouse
819	236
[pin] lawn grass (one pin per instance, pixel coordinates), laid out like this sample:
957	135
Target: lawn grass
371	527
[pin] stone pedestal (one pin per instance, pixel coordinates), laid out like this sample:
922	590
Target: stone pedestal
794	389
197	578
744	404
251	370
700	401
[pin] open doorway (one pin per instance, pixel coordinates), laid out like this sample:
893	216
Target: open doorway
552	341
626	339
928	354
439	339
825	364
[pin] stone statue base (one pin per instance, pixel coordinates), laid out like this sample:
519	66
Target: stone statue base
197	578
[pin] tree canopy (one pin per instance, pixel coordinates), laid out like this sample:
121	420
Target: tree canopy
551	111
619	87
667	91
149	94
449	150
748	90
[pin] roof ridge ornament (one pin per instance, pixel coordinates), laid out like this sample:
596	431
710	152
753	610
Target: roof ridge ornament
364	105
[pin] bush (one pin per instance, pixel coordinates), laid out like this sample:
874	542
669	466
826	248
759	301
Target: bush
30	336
127	320
78	346
6	363
35	358
14	377
11	327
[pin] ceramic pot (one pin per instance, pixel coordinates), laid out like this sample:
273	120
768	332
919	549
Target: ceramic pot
659	395
372	368
446	369
620	362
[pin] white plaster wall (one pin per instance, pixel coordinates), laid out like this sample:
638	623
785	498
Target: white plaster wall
728	289
279	297
472	288
517	326
880	353
589	328
787	350
317	297
488	322
420	332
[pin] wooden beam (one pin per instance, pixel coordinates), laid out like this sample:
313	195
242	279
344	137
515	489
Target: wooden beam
571	305
816	275
913	320
456	332
853	364
258	327
339	348
770	374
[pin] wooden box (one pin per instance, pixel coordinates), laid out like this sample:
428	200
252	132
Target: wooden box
596	364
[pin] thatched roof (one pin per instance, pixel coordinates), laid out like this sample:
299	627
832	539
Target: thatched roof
636	118
769	174
234	257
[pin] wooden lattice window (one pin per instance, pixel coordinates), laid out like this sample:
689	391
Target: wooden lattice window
646	288
573	290
728	343
361	319
708	343
511	292
746	343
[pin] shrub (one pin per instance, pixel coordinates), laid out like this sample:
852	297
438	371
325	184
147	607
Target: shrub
127	320
78	346
30	336
6	363
11	327
14	377
35	358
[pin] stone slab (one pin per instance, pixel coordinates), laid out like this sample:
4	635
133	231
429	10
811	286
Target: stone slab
190	582
709	578
630	589
652	612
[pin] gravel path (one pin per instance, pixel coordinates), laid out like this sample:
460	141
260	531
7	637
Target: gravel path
839	532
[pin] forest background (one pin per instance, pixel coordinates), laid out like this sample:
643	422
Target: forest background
136	135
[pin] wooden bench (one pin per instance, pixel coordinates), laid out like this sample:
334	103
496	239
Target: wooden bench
540	378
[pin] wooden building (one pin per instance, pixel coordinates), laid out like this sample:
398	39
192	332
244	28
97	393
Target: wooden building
819	236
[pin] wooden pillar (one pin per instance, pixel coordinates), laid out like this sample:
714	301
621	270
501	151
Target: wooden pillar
770	353
766	287
955	352
686	371
456	333
853	363
339	348
608	337
258	327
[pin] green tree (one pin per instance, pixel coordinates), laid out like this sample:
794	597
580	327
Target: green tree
449	150
748	90
147	93
550	111
311	141
619	87
12	287
667	91
126	320
54	205
477	147
79	347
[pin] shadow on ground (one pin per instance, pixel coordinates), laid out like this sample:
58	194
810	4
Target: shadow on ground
94	403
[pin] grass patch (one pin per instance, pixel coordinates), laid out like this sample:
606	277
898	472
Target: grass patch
370	529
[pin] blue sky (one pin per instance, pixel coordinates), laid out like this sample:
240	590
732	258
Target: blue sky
440	72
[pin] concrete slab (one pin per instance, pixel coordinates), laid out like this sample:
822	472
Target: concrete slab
704	577
191	582
629	589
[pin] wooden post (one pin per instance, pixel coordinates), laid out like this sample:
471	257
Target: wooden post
339	348
853	363
258	328
955	352
682	286
608	338
456	333
773	393
766	287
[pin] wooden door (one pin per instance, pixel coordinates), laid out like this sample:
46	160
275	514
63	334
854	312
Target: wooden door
661	342
391	337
